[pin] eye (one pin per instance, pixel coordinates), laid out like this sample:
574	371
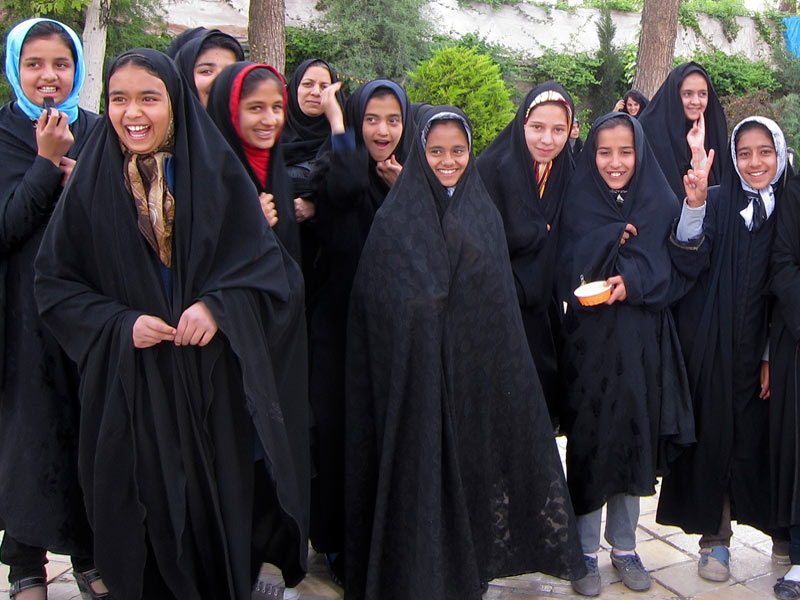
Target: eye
325	86
394	121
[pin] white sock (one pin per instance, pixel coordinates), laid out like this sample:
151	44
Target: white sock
623	552
793	574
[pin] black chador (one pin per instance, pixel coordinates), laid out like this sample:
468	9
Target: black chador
627	406
723	324
531	226
453	477
665	125
169	435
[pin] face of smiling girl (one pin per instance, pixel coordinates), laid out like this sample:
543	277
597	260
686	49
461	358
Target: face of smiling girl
139	108
756	157
546	131
46	69
694	95
616	156
447	151
262	114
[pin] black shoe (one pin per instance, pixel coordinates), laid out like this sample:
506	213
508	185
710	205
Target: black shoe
786	589
85	581
26	583
336	567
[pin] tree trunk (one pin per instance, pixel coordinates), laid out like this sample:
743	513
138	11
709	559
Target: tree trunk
266	32
790	7
656	44
94	51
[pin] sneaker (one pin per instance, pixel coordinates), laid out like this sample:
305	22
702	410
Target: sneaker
714	563
632	571
290	594
267	591
786	589
589	584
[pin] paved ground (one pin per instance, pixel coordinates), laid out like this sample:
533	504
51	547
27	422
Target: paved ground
669	554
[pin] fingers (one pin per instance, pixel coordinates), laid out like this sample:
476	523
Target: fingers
196	326
632	229
149	331
268	208
710	160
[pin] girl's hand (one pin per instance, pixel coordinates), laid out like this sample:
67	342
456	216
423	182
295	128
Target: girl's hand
66	165
619	106
629	230
764	394
331	108
696	138
303	209
53	137
389	170
695	182
268	208
196	326
149	331
618	290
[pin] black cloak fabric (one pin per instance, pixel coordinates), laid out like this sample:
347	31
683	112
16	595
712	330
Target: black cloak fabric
278	182
40	501
186	56
784	365
347	191
301	140
453	476
666	126
168	434
183	38
627	405
507	170
723	325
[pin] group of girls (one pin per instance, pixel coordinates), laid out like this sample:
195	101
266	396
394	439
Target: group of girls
155	350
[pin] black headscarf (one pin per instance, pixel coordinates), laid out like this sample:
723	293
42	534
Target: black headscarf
637	97
168	433
303	135
443	397
278	182
183	38
665	124
186	56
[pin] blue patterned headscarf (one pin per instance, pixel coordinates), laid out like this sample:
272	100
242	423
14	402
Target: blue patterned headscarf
16	37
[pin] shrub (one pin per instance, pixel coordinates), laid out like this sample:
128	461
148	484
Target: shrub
736	74
576	72
465	78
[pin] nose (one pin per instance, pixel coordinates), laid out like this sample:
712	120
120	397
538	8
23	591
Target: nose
48	73
132	110
382	129
269	117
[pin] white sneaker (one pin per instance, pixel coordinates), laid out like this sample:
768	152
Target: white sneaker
290	594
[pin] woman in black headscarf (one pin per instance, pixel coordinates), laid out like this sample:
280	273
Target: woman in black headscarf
685	112
202	58
243	91
526	170
41	506
350	181
453	477
306	130
723	324
627	404
633	103
160	278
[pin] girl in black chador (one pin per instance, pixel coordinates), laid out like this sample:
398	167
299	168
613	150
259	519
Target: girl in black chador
526	170
350	180
723	324
248	104
453	477
201	59
160	277
627	404
685	113
41	505
633	103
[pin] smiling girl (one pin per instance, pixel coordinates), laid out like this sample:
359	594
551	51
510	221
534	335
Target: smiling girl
161	279
248	104
453	477
526	170
627	401
202	59
39	405
685	113
723	324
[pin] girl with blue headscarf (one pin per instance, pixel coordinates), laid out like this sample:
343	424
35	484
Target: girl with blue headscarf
41	505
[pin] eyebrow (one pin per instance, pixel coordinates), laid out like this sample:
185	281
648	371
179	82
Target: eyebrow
377	115
65	57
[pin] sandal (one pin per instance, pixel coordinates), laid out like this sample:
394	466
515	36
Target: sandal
786	589
85	581
27	583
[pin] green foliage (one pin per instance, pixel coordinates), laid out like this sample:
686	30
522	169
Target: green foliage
630	55
576	72
724	11
618	5
787	114
465	78
736	74
787	71
611	70
306	42
377	38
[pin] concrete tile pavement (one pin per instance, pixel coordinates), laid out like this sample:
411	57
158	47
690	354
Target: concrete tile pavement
669	554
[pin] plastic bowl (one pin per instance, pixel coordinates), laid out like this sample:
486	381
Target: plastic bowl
592	293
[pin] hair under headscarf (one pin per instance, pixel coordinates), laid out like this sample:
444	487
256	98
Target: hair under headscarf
14	42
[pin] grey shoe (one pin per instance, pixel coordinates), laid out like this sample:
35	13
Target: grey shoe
714	563
632	571
589	584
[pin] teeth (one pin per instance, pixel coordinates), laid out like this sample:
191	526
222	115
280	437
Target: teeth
447	171
47	89
138	127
